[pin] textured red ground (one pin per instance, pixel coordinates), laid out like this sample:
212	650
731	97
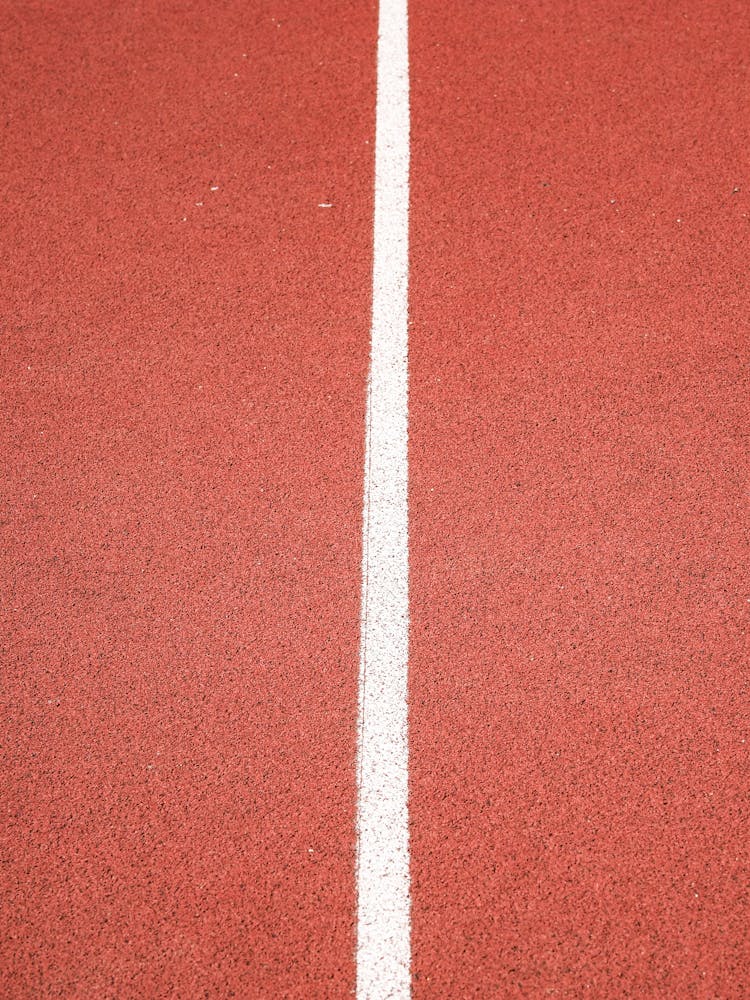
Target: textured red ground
579	428
184	377
184	373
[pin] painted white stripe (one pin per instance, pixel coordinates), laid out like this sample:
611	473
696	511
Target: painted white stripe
383	895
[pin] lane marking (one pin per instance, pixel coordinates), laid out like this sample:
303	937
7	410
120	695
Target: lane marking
383	890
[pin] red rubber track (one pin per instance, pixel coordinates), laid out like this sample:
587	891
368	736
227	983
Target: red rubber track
579	462
182	461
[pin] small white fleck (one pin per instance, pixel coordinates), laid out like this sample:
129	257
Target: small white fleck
325	204
679	220
612	201
214	187
199	204
310	850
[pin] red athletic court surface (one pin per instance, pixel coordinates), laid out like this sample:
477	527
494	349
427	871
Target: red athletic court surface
182	446
184	352
579	463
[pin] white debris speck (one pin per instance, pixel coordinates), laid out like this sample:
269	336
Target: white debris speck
325	204
199	204
214	187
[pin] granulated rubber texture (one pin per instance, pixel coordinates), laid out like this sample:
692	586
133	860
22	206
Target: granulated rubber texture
579	457
184	356
184	374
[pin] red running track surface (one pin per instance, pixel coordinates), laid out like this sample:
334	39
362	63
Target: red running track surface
184	374
182	454
579	461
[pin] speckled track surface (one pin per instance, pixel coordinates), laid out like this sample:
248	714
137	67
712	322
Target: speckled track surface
184	356
579	428
183	376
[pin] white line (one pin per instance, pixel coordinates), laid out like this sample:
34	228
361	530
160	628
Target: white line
383	893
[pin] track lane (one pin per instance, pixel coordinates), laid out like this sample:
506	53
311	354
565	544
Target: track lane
579	456
184	353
